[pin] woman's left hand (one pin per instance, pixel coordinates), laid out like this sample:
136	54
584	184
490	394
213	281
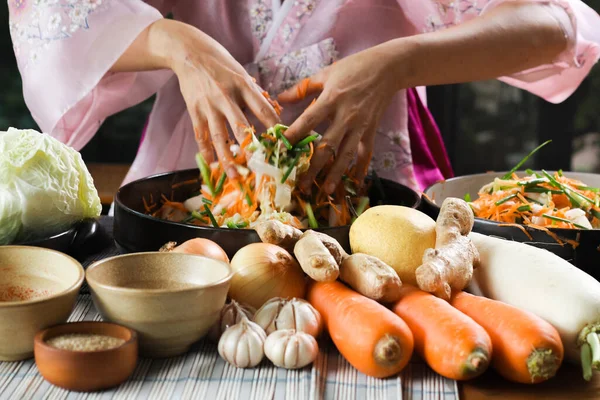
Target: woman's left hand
354	93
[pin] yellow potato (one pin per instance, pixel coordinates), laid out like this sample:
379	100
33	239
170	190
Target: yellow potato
396	235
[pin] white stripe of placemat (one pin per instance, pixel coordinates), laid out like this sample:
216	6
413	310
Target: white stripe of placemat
202	374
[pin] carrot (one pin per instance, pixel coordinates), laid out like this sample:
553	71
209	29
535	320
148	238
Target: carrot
527	349
373	340
450	342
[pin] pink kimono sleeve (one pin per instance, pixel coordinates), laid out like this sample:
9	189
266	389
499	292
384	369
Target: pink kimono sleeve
558	81
554	82
64	50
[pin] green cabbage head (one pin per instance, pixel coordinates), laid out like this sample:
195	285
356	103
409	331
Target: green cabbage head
45	186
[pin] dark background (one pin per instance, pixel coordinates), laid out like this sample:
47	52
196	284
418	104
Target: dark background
486	125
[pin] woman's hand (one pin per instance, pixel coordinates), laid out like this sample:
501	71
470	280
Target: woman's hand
215	88
354	93
214	85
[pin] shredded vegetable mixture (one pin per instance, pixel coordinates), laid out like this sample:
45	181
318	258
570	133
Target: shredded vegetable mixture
544	200
268	165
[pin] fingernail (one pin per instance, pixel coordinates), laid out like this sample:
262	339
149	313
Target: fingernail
329	187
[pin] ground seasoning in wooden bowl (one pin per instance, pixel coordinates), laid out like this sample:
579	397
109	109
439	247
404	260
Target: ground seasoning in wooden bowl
85	342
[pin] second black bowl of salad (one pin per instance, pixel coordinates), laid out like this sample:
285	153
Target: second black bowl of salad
555	210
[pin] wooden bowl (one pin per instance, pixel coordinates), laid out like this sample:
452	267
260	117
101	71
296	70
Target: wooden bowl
86	371
170	299
38	289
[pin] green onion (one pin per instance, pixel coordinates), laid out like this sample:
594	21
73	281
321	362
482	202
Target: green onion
206	201
198	216
523	208
532	182
312	222
290	168
211	216
231	225
278	128
306	141
529	199
188	219
507	198
239	225
220	183
564	220
205	172
586	361
590	189
362	204
560	172
224	211
246	195
532	172
468	198
539	189
524	160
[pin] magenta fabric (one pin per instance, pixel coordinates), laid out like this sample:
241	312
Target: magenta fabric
430	159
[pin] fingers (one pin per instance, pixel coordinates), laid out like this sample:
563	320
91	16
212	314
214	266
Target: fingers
310	118
345	156
365	154
302	89
220	139
237	121
324	151
204	144
260	106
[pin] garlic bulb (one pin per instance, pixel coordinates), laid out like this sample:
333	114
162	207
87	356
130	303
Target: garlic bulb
231	314
298	314
291	349
241	345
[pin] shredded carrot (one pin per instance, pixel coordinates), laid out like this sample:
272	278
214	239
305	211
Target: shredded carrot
521	227
184	183
302	88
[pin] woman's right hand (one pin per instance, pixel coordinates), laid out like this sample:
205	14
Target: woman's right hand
214	85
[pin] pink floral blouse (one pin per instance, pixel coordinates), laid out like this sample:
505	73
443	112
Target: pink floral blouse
64	49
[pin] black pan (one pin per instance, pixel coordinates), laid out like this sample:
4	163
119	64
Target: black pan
136	231
585	256
80	240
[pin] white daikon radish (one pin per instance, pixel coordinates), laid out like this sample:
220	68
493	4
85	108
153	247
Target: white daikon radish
540	282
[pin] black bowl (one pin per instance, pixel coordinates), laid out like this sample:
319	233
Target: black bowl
135	231
585	256
81	239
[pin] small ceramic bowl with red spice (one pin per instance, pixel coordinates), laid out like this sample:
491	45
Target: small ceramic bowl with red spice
86	356
38	289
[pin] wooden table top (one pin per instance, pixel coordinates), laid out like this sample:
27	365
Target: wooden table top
568	384
107	179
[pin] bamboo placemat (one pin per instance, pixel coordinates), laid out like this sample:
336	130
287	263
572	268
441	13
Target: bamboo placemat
202	374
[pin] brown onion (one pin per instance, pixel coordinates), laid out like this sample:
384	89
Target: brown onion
198	246
263	271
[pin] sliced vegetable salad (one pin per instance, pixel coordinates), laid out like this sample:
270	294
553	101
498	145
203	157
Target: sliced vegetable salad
539	199
268	166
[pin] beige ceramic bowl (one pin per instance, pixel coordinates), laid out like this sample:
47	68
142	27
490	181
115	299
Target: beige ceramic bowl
170	299
38	289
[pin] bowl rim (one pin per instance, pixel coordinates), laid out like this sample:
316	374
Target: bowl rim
430	202
39	339
74	287
120	204
141	291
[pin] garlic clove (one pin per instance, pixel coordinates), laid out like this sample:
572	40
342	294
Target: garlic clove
291	349
241	345
297	314
231	314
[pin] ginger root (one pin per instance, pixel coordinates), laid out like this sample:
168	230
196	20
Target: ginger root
449	267
371	277
278	233
316	258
